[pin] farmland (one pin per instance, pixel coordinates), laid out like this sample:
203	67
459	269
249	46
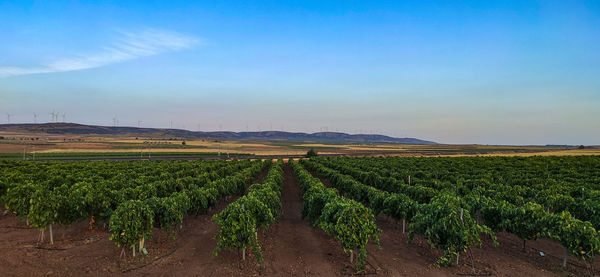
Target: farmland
43	146
396	216
304	138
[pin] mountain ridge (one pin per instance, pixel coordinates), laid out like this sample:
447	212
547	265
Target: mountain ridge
83	129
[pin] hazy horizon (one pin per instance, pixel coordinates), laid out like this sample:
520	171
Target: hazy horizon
323	130
510	73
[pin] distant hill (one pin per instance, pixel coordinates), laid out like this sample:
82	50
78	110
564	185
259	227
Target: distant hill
80	129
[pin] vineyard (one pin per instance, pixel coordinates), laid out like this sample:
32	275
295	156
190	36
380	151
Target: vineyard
453	202
132	198
349	210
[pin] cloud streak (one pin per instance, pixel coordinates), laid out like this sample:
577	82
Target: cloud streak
129	46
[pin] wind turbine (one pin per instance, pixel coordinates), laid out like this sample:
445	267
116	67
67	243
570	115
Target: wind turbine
54	115
115	121
35	117
8	117
139	122
64	116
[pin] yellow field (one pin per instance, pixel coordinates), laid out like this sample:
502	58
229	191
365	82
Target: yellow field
98	144
573	152
145	150
259	149
320	145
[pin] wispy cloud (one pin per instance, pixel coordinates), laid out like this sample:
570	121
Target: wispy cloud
129	46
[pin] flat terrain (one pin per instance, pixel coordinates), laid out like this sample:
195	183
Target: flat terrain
31	146
291	247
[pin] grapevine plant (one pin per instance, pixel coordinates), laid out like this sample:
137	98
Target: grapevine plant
348	221
42	211
448	226
145	194
240	221
131	223
503	203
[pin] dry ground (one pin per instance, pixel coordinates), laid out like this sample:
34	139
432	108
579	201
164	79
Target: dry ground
291	247
99	144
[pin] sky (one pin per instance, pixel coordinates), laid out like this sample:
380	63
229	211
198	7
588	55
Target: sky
487	72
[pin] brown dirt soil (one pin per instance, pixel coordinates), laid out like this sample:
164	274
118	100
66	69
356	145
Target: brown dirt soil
78	251
291	247
399	258
507	259
68	143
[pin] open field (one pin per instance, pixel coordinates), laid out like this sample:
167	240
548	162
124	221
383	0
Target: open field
67	145
292	245
300	138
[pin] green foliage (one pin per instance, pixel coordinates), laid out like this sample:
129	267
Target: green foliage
518	195
168	211
143	193
17	199
68	205
311	153
3	188
579	237
534	197
42	209
271	201
132	221
200	199
528	222
239	222
94	200
315	198
494	214
447	226
400	206
351	223
238	226
438	221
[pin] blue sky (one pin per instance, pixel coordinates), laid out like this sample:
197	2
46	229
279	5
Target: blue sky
495	72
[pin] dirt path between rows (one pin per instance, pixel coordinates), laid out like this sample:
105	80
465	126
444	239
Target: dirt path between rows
78	252
399	258
292	247
194	255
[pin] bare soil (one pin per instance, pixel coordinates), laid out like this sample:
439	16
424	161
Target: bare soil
17	142
291	247
399	258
